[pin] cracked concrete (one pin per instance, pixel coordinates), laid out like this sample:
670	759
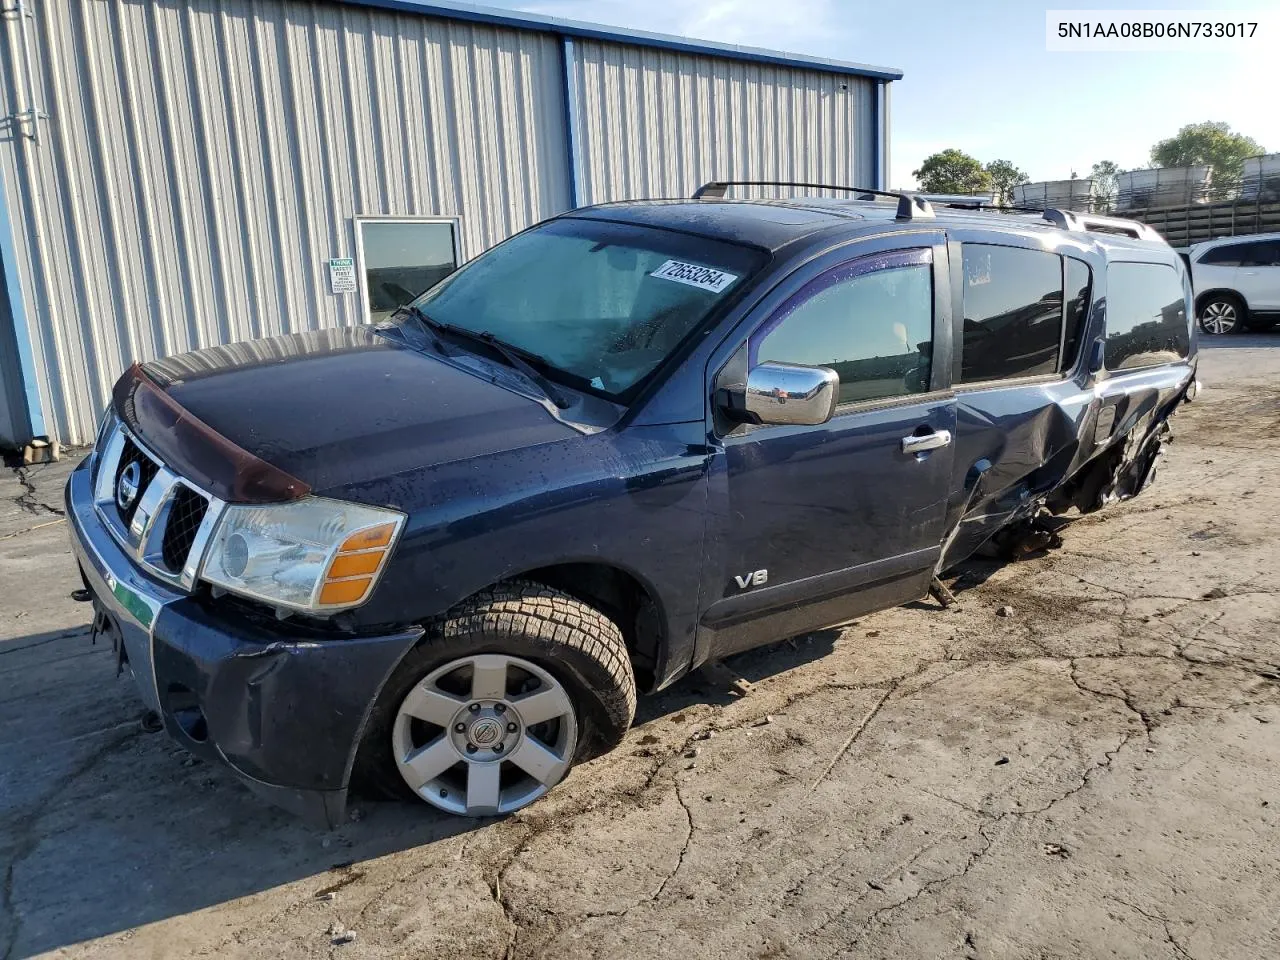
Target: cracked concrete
39	486
1096	775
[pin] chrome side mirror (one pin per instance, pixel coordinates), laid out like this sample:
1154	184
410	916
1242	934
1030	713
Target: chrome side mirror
789	393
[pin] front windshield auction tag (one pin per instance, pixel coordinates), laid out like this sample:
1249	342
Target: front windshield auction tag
704	278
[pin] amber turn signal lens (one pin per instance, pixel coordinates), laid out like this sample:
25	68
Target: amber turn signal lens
355	564
345	591
378	536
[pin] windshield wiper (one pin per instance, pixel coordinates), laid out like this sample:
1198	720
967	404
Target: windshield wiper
425	323
434	328
518	362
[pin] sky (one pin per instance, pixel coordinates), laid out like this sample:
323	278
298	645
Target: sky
977	76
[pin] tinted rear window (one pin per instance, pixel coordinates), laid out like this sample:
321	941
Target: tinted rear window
1079	285
1146	316
1227	255
1012	312
1265	253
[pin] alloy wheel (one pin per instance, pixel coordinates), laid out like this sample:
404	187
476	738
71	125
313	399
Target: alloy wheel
484	735
1218	317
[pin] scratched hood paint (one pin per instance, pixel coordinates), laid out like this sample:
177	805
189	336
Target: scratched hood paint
342	407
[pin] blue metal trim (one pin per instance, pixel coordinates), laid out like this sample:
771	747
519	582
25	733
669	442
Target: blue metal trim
13	310
877	163
573	141
475	13
882	138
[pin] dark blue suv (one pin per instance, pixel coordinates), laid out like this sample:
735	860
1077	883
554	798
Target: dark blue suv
441	554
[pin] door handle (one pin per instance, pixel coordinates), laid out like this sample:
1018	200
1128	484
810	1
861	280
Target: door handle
930	441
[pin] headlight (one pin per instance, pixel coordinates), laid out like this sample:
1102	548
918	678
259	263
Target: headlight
314	555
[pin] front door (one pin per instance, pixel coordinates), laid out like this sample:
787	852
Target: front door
824	523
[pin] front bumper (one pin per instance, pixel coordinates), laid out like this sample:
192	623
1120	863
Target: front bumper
283	709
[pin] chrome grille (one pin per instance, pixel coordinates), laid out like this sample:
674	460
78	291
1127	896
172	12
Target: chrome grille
168	524
185	516
131	453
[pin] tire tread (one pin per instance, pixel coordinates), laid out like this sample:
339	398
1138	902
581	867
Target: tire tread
577	642
532	610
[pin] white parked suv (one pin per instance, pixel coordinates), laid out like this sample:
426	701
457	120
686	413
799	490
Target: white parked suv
1236	282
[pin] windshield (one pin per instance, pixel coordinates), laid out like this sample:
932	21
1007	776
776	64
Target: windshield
603	304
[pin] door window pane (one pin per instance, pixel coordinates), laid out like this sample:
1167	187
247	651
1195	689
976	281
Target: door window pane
874	329
1146	316
1012	312
1265	253
1227	255
1079	283
404	259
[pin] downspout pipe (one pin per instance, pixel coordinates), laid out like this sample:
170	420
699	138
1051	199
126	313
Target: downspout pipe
573	136
22	399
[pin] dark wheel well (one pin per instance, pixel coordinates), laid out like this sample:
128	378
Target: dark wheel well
620	597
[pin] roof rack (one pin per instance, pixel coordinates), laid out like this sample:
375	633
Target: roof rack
910	206
1063	219
959	202
1093	223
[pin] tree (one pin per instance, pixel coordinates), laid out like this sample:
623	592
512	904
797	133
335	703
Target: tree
1213	144
1004	177
952	171
1105	173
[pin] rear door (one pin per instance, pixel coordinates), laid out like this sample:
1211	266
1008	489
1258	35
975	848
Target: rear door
817	524
1258	276
1022	304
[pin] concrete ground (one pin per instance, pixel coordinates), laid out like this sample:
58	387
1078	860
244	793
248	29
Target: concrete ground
1095	774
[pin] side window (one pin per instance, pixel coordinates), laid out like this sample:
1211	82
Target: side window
1264	253
870	320
1012	312
1079	280
1227	255
1146	316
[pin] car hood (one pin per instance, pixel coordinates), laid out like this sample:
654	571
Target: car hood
341	407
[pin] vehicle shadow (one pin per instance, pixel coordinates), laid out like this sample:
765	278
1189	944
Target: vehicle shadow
715	685
105	827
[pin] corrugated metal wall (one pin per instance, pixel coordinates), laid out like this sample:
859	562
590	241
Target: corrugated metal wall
203	161
659	124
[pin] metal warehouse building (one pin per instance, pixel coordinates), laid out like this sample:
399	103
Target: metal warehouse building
176	174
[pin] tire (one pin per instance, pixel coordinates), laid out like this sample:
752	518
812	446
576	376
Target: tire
546	639
1222	313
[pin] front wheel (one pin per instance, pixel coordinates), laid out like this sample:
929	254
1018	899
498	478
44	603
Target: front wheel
516	685
1221	315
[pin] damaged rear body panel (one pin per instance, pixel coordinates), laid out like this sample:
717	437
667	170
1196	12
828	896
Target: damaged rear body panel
1080	439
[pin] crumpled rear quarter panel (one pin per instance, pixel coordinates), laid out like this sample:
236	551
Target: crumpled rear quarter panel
1017	443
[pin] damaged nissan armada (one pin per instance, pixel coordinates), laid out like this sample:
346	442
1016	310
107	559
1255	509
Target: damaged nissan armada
440	555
